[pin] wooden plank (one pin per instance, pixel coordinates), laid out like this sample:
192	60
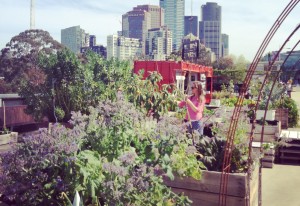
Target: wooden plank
290	151
267	164
268	158
209	199
210	182
290	135
12	137
266	137
15	115
206	191
268	129
289	158
293	135
293	145
256	148
5	148
282	115
284	134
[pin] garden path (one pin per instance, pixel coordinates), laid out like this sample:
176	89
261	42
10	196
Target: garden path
281	184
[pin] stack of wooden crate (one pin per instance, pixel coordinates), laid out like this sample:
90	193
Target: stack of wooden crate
268	158
270	135
289	152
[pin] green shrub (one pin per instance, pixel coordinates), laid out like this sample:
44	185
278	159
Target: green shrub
291	105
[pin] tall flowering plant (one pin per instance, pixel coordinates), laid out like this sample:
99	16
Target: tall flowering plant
115	155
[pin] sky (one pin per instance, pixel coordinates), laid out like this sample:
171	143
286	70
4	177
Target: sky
247	22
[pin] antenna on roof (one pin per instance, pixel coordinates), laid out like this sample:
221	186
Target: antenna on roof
191	17
32	15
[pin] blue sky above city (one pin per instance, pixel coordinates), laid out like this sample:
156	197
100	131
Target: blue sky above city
246	22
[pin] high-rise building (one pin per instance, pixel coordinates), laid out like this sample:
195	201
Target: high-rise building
156	12
195	52
99	49
74	38
136	23
174	19
92	40
225	45
159	43
123	48
191	25
190	48
210	27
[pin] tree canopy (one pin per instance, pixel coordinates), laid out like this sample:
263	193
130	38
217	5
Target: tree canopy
21	54
231	68
65	83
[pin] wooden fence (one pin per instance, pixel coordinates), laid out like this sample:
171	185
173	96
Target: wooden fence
15	116
282	115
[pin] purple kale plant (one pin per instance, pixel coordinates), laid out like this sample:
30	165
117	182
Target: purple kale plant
37	170
110	156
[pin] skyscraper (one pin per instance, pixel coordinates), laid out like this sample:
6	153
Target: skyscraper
159	43
156	12
136	23
74	38
210	28
225	45
174	19
123	48
191	25
99	49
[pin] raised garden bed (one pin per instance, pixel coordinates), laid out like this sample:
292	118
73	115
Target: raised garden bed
11	137
270	115
206	191
271	132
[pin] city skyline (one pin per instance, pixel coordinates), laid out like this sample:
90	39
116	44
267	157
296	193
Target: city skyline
246	22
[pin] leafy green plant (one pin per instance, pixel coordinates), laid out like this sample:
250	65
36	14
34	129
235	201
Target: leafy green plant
115	155
65	83
291	105
231	101
277	93
148	95
213	148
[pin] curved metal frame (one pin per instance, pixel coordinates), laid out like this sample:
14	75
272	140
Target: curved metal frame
237	109
265	113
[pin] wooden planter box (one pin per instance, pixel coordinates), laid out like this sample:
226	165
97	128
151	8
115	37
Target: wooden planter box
271	132
12	137
269	116
206	191
268	158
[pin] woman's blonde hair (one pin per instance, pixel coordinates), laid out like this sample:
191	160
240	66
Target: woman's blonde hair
198	85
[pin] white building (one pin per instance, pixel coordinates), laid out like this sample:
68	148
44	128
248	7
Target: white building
123	48
74	38
159	43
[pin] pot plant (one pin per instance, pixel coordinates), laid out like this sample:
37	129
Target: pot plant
277	93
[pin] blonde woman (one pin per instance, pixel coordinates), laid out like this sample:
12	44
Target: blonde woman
195	106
